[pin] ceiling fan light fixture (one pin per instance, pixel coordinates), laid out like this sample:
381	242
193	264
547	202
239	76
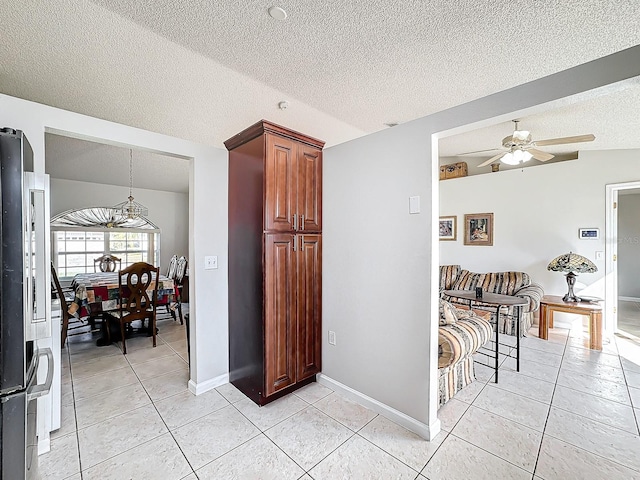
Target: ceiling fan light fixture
509	159
522	156
522	135
516	156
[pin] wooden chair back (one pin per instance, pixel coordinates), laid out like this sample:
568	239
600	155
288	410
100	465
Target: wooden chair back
171	270
181	269
64	306
138	296
107	263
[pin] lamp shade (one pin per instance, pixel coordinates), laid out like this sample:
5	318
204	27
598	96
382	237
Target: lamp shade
572	262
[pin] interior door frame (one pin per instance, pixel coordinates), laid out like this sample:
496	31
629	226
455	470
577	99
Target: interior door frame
611	253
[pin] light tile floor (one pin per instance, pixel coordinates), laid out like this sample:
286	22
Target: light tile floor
570	413
629	317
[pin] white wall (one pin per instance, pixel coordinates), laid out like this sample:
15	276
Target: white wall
207	217
537	214
629	244
375	267
371	246
380	264
168	210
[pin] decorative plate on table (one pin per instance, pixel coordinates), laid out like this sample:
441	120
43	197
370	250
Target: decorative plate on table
591	299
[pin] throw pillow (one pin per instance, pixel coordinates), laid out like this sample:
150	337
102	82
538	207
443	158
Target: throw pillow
447	313
462	313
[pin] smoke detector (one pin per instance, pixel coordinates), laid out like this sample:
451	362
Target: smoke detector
277	13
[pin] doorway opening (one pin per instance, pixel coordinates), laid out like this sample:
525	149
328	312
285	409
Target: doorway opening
623	258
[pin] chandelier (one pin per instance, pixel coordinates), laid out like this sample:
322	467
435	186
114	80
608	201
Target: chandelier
130	209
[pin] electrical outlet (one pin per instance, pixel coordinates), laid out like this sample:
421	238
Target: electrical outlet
332	337
211	262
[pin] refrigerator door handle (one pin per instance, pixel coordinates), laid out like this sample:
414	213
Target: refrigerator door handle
42	389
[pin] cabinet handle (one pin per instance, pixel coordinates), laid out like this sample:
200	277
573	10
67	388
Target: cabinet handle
295	241
302	222
295	222
302	243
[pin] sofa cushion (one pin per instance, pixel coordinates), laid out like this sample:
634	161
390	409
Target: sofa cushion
448	276
447	313
461	339
505	283
463	311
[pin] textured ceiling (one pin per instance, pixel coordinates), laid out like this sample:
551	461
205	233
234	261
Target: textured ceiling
613	119
204	70
373	61
84	161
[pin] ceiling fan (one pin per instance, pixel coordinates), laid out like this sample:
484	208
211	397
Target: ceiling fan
521	148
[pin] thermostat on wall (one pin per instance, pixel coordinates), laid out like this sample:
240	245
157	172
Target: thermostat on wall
588	233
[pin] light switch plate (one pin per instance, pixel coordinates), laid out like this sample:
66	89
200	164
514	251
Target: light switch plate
211	262
599	255
332	337
414	204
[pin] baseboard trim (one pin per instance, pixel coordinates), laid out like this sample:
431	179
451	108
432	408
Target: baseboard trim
202	387
427	432
629	299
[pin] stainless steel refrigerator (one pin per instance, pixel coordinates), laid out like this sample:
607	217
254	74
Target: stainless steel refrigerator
23	315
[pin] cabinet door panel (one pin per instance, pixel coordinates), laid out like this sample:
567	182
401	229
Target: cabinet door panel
309	202
309	268
281	187
280	331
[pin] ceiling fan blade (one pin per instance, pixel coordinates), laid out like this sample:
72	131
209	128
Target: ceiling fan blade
478	151
492	159
562	140
539	154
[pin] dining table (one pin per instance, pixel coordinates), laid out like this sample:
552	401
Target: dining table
97	292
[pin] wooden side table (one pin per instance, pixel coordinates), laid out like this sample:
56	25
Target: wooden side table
554	303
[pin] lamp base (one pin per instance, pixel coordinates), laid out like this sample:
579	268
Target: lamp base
571	299
570	296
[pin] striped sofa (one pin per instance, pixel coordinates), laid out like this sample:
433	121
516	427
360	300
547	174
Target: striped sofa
457	342
453	277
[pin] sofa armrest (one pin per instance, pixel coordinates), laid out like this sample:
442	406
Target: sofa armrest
533	293
462	339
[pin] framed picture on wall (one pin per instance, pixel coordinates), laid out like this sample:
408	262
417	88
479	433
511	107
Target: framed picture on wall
478	229
448	228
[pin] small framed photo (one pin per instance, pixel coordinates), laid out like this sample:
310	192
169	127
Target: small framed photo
448	228
588	233
478	229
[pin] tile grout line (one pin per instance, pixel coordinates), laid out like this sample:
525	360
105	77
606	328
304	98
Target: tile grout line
490	453
75	415
171	433
124	413
595	454
633	409
262	432
572	444
546	421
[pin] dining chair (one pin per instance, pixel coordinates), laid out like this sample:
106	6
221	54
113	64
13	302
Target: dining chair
181	270
64	308
171	273
107	263
137	299
171	269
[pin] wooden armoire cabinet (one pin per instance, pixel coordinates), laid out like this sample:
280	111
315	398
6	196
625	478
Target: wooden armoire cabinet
275	260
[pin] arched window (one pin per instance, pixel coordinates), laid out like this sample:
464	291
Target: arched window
81	236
